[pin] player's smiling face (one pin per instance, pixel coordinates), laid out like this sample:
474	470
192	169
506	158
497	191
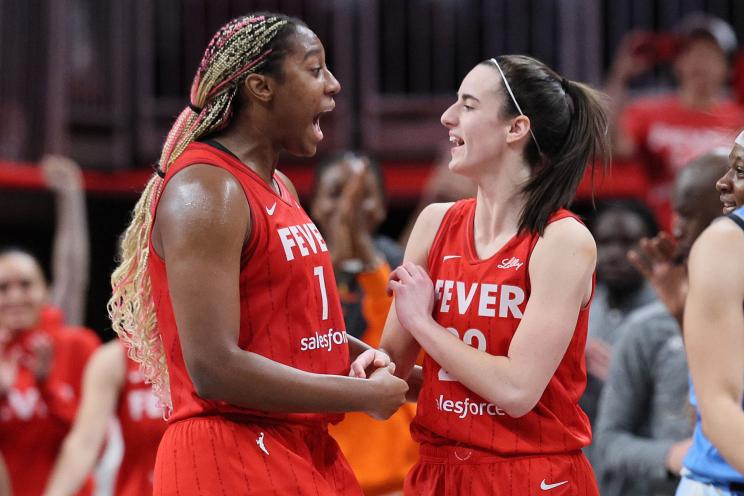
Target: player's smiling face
477	130
22	291
731	184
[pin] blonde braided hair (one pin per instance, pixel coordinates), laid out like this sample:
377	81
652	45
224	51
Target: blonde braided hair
250	44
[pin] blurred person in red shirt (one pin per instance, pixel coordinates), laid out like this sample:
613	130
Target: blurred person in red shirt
664	132
41	360
112	386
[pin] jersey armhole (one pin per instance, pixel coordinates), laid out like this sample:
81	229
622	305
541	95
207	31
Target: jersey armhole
737	219
248	243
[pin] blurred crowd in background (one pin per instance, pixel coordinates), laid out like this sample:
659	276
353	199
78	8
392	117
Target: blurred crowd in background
89	89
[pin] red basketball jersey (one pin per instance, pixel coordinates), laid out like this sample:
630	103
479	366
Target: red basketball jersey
142	426
35	417
481	302
289	310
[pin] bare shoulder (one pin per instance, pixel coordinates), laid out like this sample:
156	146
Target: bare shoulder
431	216
424	232
288	183
566	245
108	363
200	189
721	236
719	249
568	235
201	205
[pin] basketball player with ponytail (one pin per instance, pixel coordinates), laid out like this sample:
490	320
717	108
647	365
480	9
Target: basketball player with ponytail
496	290
225	292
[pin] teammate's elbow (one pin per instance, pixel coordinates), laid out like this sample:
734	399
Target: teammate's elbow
517	403
205	374
517	410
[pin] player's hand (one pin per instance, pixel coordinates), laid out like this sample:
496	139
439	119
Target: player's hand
676	455
39	361
62	174
632	59
391	393
598	354
368	359
656	259
414	295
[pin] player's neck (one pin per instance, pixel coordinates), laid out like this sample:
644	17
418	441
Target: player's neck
497	211
252	147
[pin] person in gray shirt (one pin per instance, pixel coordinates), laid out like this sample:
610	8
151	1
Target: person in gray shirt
621	289
645	422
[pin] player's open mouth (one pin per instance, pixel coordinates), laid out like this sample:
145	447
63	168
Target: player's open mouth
316	127
456	141
728	205
316	122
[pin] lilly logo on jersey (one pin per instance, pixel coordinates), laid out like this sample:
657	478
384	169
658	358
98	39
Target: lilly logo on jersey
509	263
463	408
324	341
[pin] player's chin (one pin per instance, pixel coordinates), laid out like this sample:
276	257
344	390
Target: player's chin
305	146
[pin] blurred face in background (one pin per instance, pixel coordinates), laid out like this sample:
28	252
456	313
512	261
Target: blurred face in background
695	202
616	232
23	291
702	65
331	184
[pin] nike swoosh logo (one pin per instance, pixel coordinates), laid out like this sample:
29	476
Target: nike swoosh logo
448	257
546	487
270	211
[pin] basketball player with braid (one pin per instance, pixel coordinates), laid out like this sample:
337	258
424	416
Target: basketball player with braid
225	292
496	290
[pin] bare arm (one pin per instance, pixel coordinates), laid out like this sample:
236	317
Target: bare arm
201	226
714	336
102	383
71	250
561	269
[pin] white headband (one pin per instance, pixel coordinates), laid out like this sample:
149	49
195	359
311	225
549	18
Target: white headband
508	88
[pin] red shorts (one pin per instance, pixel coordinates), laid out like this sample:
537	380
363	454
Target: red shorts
449	471
215	456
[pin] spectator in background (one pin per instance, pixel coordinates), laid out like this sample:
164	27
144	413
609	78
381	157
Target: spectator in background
348	206
620	290
112	386
644	426
665	132
41	360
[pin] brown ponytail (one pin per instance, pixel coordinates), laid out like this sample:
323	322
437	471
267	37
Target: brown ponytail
569	121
